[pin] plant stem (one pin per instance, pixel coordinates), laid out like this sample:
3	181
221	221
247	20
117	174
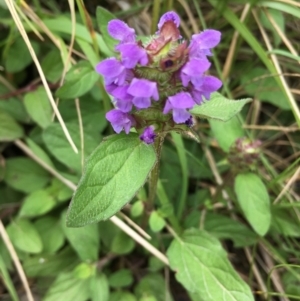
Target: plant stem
155	171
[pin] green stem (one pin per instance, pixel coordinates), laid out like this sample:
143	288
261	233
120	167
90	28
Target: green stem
155	15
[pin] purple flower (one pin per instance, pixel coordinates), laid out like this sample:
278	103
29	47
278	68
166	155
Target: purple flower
122	98
169	16
202	43
148	135
189	122
179	103
113	71
209	84
142	91
132	54
193	71
120	120
120	31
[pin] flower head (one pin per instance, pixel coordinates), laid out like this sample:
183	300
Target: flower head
155	84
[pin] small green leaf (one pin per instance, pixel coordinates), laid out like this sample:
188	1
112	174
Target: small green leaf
219	107
9	128
122	296
85	241
68	288
156	222
137	209
103	16
37	203
122	244
114	172
51	234
84	271
99	289
39	107
52	65
202	267
254	200
58	145
79	80
25	175
24	236
121	278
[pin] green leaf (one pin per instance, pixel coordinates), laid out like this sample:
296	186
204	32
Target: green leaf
156	222
254	200
219	107
103	16
9	128
84	270
52	65
58	145
68	288
284	223
137	209
99	289
122	296
226	132
79	80
121	278
18	56
85	241
122	244
25	175
24	236
262	85
38	107
51	234
114	172
37	203
202	267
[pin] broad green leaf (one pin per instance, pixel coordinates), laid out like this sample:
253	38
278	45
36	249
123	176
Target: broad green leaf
99	289
58	145
79	80
50	265
226	132
9	128
153	286
18	56
103	16
51	234
68	288
261	84
223	227
284	223
254	200
25	175
219	107
24	236
38	107
122	243
52	65
202	267
121	278
37	203
85	241
156	222
114	172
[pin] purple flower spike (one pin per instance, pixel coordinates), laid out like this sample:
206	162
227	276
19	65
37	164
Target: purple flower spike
120	31
169	16
122	98
143	90
132	54
202	43
210	84
112	70
148	135
179	103
193	71
120	120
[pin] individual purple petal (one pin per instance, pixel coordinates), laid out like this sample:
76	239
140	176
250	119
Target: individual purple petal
179	103
120	31
169	16
202	43
143	90
193	71
120	120
210	84
112	70
122	98
148	135
132	54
